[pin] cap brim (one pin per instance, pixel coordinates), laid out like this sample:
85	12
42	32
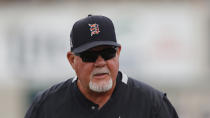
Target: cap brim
94	44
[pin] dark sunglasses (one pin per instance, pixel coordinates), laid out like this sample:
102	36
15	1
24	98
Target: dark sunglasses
91	56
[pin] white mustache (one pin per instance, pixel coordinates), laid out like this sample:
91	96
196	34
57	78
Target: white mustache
100	71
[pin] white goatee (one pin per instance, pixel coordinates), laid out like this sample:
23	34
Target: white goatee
101	87
104	86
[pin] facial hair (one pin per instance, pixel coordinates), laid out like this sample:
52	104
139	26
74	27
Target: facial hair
104	86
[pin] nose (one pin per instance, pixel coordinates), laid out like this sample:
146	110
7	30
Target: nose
100	62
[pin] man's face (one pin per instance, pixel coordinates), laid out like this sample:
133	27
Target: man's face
98	76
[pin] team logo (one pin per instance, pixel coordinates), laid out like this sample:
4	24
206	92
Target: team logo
94	29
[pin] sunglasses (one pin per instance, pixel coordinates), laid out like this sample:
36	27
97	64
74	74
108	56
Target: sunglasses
91	56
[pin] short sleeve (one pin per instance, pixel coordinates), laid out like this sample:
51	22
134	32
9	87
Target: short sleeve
33	110
166	109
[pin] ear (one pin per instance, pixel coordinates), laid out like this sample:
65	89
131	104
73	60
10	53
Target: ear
71	59
118	51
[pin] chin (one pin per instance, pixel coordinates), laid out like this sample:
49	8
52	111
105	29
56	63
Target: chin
101	86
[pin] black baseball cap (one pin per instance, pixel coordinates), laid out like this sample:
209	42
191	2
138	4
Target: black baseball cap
92	31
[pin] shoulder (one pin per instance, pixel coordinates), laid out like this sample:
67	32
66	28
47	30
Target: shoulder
152	97
143	88
50	95
146	93
139	88
55	89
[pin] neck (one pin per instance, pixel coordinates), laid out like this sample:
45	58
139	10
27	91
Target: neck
99	98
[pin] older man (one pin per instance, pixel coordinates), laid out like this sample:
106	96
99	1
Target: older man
100	90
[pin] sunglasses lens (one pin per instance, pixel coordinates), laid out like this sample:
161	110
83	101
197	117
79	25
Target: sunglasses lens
108	53
91	56
88	56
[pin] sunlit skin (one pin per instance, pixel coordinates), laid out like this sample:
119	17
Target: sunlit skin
84	73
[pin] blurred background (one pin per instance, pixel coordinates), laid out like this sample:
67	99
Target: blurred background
165	43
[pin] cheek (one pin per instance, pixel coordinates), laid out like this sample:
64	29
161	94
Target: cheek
113	66
83	69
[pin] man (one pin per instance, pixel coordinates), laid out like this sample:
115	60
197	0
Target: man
100	90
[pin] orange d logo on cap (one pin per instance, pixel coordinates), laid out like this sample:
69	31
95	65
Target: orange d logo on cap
94	29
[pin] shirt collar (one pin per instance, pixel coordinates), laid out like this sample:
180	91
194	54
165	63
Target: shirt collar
121	78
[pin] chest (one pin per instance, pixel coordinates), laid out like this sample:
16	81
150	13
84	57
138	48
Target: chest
123	107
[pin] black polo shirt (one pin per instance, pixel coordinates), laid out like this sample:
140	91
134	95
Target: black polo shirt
130	99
